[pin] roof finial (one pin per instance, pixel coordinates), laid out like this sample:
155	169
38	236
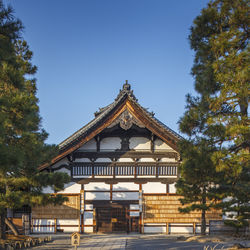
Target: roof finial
126	85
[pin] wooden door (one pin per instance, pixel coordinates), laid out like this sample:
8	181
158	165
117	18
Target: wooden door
104	224
134	222
111	219
119	219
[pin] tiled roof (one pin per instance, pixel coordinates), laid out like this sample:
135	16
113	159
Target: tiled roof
103	112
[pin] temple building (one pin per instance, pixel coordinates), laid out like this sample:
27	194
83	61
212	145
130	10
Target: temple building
123	166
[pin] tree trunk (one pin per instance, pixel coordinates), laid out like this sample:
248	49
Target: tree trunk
3	214
203	222
203	213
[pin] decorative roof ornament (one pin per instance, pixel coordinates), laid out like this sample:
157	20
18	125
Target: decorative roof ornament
126	89
126	121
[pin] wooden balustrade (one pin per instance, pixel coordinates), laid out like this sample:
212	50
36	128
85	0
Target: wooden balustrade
123	170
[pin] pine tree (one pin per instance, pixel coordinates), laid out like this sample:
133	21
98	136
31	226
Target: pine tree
219	38
22	140
198	177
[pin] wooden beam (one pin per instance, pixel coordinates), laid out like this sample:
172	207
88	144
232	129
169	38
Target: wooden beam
167	228
55	226
82	205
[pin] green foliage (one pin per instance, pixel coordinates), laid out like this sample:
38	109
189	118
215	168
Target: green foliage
219	36
22	140
197	177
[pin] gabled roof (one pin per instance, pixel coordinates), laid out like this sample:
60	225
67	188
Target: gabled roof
106	115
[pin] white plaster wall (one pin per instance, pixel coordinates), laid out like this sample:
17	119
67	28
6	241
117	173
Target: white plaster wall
167	160
82	160
88	206
111	143
71	187
154	187
180	228
49	222
97	196
103	160
90	145
134	214
126	186
158	229
139	143
88	230
63	161
160	145
125	196
125	160
172	188
134	207
88	218
146	160
67	222
97	186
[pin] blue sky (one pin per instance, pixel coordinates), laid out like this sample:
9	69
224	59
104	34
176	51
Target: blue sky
86	49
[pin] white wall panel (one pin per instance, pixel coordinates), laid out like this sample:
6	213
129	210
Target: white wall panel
125	196
61	222
179	228
158	229
71	187
88	218
111	143
146	160
134	214
134	207
88	206
97	186
125	160
126	186
103	160
82	160
172	188
154	187
160	145
97	196
167	160
139	143
90	145
88	230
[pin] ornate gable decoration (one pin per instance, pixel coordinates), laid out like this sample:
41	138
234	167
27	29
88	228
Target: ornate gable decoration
126	120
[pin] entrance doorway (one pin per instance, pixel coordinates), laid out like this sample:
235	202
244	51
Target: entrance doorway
113	218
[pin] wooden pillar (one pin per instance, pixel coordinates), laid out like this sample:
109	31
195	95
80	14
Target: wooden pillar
167	228
194	228
93	172
82	204
55	226
141	223
94	221
167	188
111	192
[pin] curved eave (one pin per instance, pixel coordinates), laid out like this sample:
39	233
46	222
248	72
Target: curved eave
97	125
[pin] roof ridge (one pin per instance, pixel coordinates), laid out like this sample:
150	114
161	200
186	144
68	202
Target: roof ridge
126	90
